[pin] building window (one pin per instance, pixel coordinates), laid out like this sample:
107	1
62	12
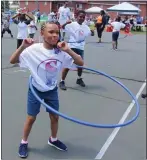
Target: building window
26	3
79	6
45	3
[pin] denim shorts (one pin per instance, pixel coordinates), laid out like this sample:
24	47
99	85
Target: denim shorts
49	97
115	36
79	52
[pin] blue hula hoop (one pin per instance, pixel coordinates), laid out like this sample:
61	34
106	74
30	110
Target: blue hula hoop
87	123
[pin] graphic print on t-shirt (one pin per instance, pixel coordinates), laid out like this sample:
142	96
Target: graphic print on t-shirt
48	69
79	35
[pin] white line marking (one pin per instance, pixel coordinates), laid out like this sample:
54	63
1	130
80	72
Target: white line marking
115	131
19	71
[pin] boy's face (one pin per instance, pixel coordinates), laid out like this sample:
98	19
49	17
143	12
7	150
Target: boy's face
50	34
81	18
66	4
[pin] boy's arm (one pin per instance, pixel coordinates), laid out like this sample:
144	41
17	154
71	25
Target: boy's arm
15	56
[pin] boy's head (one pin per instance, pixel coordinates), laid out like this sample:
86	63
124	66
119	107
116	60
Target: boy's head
81	16
102	12
118	19
66	3
50	33
22	17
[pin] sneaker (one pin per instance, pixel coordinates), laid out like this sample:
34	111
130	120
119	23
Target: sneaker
23	150
80	82
57	144
62	85
144	95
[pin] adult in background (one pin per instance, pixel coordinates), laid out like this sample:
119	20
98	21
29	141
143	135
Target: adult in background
100	24
22	26
38	16
64	16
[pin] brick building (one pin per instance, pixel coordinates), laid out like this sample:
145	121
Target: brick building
53	5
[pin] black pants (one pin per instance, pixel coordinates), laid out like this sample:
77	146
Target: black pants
19	42
31	35
99	30
6	30
38	19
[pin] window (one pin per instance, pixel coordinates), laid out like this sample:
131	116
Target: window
26	3
79	6
45	3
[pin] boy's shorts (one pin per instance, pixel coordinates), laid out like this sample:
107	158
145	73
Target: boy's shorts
79	52
49	97
115	36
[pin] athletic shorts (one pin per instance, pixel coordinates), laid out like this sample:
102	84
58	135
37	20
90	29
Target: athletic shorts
79	52
49	97
115	36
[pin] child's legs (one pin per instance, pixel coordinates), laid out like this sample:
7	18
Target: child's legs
81	53
64	73
33	108
114	39
117	35
9	31
3	31
31	35
51	98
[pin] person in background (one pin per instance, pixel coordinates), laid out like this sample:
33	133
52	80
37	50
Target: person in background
64	16
78	32
139	19
22	25
38	16
32	28
117	25
6	27
100	24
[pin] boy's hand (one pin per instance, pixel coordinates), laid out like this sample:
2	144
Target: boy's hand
27	42
63	46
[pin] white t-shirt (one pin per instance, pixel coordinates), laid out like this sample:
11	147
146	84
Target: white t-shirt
77	33
32	30
64	14
117	26
6	24
22	30
44	65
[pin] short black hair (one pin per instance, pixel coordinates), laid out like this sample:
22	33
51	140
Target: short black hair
118	19
81	11
102	12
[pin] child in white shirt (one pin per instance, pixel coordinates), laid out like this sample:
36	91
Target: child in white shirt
78	31
117	25
32	28
45	61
